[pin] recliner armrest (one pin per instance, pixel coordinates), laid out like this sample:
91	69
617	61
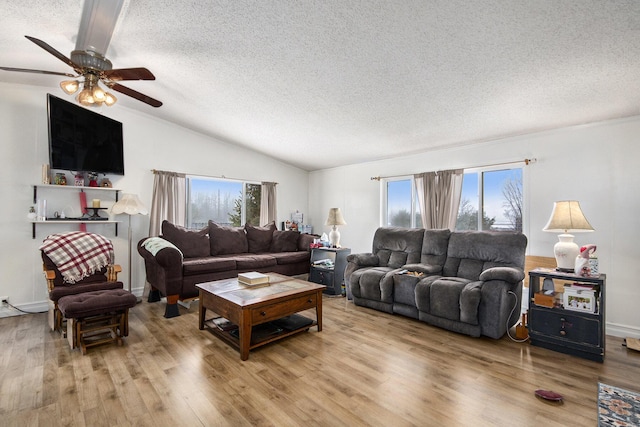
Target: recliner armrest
364	260
423	268
507	274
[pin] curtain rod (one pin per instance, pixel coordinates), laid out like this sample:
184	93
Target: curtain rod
525	161
180	174
157	171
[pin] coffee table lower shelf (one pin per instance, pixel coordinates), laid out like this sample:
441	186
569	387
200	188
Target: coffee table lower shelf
234	341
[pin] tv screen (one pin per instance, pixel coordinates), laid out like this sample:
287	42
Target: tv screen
83	141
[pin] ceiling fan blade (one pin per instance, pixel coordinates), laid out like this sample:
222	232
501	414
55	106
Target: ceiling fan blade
27	70
54	52
134	94
139	73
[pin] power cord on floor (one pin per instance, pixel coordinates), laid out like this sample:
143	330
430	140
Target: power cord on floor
515	305
21	310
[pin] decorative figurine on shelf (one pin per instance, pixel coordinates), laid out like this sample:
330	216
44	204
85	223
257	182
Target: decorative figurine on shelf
105	183
32	213
78	179
583	266
93	179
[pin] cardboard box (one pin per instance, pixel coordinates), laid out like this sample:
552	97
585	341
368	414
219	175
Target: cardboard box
544	300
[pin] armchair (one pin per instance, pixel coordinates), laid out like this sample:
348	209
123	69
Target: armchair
86	267
370	275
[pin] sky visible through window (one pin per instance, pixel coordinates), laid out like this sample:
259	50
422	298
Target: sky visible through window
209	185
211	199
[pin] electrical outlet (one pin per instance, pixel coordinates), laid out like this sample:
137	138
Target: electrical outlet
4	299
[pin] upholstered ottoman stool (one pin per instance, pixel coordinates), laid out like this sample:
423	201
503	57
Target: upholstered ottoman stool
97	317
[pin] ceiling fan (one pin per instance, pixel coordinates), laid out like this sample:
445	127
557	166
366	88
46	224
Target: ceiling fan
99	18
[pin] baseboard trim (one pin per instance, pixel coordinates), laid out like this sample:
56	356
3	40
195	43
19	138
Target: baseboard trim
622	331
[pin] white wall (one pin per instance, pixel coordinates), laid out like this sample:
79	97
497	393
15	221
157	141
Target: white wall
596	164
149	144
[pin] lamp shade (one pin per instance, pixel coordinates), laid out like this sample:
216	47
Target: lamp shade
130	204
567	217
335	217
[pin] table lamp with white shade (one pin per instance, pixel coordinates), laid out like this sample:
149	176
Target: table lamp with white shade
567	217
334	219
131	205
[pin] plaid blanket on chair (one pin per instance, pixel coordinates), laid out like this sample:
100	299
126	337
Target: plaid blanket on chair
78	254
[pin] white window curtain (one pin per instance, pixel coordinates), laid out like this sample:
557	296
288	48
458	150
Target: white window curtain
268	202
439	197
169	200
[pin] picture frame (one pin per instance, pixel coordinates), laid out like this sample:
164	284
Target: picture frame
580	300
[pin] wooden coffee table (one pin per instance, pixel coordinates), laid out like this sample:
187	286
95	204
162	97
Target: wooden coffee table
248	306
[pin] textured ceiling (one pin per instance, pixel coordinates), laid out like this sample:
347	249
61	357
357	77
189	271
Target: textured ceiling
322	83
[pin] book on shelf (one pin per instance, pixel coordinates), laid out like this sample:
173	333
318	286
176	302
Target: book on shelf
253	278
581	286
224	324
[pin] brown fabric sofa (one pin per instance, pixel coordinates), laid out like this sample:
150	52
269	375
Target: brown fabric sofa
184	258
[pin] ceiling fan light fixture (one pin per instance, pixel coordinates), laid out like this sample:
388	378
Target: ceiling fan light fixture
89	63
99	95
109	99
70	86
85	97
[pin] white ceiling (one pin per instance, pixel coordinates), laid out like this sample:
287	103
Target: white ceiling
322	83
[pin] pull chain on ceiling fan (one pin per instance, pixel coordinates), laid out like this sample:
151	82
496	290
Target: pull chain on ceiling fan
88	60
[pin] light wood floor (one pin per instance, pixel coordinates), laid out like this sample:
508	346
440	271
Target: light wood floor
364	368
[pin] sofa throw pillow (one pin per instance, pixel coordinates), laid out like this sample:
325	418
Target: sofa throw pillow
227	240
192	243
259	238
284	241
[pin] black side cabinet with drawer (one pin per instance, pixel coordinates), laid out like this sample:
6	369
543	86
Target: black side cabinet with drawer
578	330
327	268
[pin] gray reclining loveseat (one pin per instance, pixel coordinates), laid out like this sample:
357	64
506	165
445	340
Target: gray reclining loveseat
471	281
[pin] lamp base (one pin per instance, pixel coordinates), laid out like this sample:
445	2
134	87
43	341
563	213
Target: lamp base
334	237
566	252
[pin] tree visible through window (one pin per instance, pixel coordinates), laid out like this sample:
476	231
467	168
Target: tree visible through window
499	192
402	206
226	202
250	208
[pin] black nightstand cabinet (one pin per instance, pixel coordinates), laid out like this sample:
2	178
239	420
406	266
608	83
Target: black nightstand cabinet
331	277
568	331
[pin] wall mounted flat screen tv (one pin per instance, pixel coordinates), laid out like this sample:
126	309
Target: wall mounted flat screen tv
83	141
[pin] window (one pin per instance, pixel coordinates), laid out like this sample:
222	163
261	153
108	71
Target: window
499	193
401	204
227	202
